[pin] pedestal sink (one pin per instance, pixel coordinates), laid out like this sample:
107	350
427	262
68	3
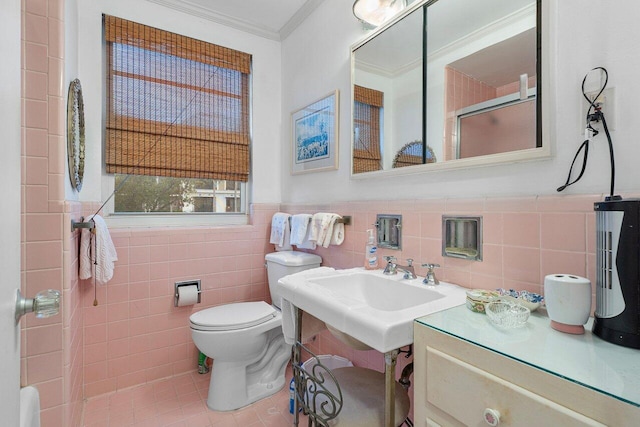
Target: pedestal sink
370	307
373	308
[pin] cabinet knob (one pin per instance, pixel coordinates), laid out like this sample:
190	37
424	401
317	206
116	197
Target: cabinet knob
492	417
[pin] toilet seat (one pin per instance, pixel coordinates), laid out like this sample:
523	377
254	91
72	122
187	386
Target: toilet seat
230	317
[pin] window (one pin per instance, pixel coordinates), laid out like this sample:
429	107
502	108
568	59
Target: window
367	124
178	121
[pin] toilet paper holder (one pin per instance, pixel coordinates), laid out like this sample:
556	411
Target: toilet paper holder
177	285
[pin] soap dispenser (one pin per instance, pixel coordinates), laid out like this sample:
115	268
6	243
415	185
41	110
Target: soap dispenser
371	252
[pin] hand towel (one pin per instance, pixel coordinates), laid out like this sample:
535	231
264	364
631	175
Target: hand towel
322	228
306	242
280	231
288	309
287	245
288	322
299	227
338	234
96	248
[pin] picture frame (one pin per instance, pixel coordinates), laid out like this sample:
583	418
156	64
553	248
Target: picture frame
314	135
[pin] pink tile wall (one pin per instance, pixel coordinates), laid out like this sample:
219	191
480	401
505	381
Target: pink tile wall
51	348
515	86
524	240
461	91
135	334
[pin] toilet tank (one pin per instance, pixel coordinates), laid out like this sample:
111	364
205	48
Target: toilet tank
280	264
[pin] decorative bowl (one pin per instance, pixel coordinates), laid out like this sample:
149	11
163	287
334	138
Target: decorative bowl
507	315
528	299
478	298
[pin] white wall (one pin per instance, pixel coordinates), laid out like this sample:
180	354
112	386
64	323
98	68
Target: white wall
407	111
315	60
266	156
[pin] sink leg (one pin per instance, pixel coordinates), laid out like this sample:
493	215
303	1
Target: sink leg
390	359
296	361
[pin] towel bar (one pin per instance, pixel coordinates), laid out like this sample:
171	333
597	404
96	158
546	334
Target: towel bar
346	220
82	224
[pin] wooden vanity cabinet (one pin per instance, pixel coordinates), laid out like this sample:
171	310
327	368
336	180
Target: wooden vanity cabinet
457	383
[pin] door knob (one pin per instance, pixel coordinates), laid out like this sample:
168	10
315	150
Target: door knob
45	304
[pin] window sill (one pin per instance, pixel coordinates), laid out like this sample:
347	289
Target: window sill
175	220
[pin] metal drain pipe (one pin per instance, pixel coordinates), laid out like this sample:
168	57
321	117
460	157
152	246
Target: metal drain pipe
404	378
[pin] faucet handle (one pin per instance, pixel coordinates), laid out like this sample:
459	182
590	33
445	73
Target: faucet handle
430	277
431	266
390	258
410	262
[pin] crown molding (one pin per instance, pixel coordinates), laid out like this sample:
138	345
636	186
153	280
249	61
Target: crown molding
219	18
190	8
297	19
386	71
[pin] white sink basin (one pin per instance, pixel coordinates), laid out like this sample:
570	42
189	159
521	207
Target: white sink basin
378	292
373	308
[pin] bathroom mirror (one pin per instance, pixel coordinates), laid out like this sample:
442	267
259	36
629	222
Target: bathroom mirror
455	80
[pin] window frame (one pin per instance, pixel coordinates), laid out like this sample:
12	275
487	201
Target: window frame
167	219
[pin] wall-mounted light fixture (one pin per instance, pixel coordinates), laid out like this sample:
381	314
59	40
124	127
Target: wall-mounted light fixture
376	12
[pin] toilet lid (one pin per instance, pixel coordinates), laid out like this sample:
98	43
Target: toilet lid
232	316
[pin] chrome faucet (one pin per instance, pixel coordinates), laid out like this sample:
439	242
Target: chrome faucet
430	278
392	268
409	272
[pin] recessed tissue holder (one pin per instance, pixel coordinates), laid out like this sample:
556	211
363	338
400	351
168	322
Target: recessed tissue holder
187	298
462	237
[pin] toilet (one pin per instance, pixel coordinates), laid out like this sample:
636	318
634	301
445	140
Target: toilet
245	340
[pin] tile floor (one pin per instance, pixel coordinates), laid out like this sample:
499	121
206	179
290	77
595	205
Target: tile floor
180	401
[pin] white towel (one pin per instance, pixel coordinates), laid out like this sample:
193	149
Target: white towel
280	231
288	322
306	242
299	228
322	228
96	245
338	234
310	324
286	246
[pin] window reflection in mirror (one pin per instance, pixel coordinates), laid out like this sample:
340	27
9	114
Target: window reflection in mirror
481	75
387	94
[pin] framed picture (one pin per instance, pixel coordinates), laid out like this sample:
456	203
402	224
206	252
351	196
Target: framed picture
314	136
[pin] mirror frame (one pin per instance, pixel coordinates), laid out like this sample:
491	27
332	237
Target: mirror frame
543	24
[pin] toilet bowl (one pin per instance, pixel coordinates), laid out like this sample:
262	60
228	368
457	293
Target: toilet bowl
246	342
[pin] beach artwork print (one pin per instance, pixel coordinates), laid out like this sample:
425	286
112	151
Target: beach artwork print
314	136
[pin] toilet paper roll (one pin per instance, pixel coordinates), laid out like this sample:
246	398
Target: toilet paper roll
187	295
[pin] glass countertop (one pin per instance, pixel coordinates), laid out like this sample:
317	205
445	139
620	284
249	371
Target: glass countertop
584	359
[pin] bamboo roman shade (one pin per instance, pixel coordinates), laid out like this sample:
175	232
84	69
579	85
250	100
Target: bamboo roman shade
367	104
176	106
